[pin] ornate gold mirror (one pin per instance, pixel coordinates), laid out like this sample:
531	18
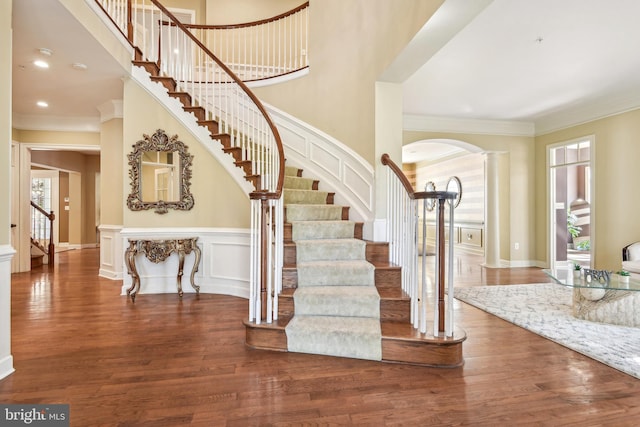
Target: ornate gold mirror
160	172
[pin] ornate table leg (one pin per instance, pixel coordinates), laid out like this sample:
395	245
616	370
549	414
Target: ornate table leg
130	259
196	263
180	268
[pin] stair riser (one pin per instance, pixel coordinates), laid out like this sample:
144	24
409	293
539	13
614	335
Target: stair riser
391	276
150	67
377	252
439	355
212	125
396	310
245	165
167	82
183	97
235	152
288	233
326	307
309	184
374	253
196	111
390	309
344	217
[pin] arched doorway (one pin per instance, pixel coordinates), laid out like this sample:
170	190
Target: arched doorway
437	160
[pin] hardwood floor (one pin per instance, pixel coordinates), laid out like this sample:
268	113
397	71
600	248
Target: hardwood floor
167	362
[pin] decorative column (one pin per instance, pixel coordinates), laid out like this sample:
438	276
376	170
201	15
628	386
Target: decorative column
492	211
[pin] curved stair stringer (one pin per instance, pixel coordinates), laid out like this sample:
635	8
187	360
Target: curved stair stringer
335	165
189	121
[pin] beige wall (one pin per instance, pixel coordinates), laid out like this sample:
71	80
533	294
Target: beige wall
5	122
242	11
6	359
35	137
219	200
112	174
63	215
517	187
200	6
350	45
614	207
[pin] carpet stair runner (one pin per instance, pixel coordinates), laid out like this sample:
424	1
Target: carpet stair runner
341	296
337	306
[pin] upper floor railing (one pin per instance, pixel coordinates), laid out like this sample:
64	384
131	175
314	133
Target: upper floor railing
403	205
262	49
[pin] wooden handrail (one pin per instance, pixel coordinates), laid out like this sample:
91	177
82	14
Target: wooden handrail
244	87
49	215
248	24
386	160
51	248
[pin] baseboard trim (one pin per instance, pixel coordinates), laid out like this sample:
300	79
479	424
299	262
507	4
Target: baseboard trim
6	367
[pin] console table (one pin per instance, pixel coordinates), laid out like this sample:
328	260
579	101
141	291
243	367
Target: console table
614	302
158	251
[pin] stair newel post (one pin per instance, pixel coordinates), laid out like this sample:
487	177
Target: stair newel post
440	264
51	249
264	247
449	324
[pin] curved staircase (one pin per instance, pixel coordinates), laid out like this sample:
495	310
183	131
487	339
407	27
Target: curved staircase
325	290
340	293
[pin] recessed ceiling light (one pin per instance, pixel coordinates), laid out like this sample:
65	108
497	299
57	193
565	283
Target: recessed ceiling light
45	51
79	66
42	104
40	63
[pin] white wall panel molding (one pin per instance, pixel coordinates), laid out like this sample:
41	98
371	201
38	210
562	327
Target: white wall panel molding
223	269
337	167
6	359
111	255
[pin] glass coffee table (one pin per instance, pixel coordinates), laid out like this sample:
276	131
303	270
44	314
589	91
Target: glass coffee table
614	301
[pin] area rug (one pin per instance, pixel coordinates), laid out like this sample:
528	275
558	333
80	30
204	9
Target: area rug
545	309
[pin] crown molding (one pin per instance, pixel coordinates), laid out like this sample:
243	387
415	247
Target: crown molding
415	122
110	110
586	114
56	123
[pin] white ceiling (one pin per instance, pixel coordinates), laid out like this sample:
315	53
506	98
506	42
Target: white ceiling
546	64
73	95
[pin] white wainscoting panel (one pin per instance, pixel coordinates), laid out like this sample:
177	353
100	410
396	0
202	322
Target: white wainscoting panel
111	258
6	359
223	269
337	166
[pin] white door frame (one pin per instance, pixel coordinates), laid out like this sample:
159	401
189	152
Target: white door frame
551	196
55	196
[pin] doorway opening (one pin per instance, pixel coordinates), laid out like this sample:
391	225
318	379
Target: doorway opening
570	177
